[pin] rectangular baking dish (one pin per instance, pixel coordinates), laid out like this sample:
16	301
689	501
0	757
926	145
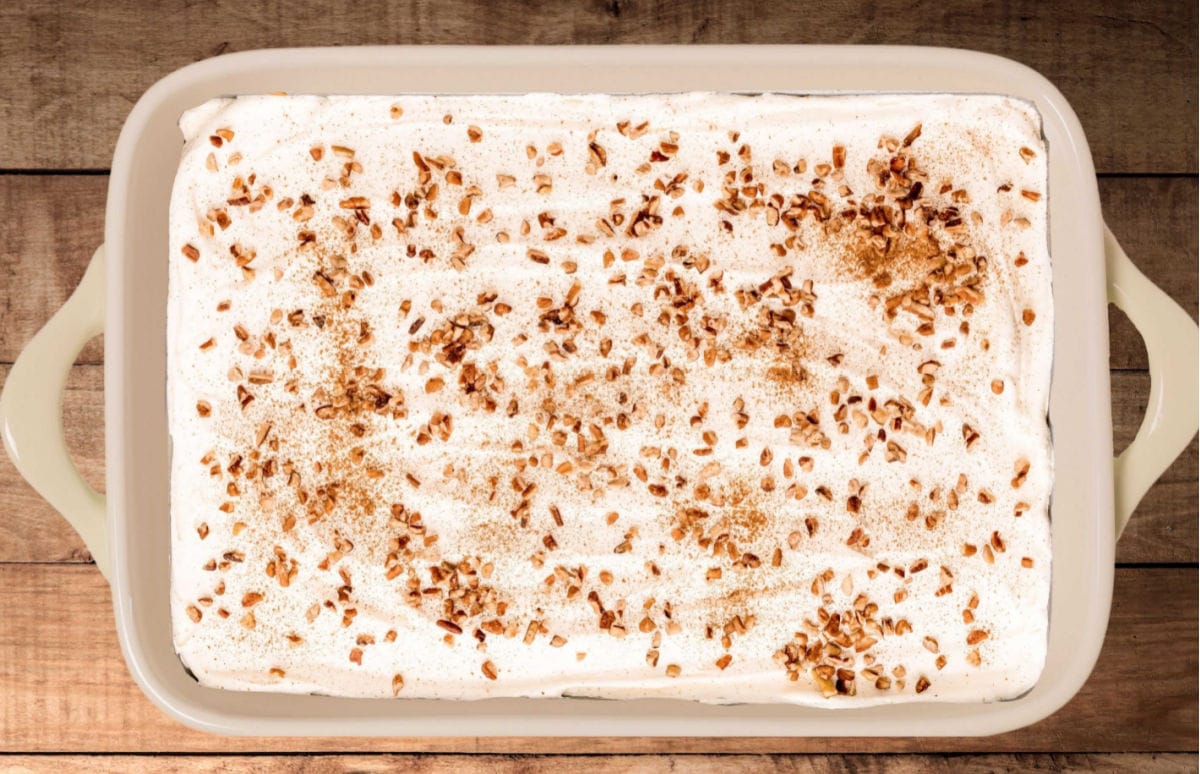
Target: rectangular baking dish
128	532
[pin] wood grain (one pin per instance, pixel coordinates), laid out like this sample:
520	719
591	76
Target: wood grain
66	688
1155	220
52	224
1164	528
75	69
1148	763
70	73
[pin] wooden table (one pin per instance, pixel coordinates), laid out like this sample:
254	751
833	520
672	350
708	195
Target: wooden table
68	77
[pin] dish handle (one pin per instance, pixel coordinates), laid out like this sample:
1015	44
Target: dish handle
1171	339
31	411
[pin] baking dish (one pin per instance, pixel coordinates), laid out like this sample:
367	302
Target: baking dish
123	293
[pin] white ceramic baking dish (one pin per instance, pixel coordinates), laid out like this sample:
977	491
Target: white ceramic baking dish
128	531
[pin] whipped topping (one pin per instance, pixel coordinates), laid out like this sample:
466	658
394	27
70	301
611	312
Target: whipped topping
716	397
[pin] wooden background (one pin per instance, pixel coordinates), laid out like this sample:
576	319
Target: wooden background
68	77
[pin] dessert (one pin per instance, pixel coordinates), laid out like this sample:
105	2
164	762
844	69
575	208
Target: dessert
703	396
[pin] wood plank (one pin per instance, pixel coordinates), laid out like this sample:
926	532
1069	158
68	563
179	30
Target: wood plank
1164	528
52	224
1155	220
1148	763
51	227
73	71
67	689
31	530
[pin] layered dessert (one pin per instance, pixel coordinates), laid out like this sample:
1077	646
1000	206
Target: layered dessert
701	396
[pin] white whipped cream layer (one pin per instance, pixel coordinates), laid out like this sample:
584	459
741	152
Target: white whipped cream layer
976	625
